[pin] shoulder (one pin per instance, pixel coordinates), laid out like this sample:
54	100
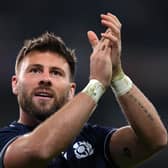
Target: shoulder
9	132
96	134
98	130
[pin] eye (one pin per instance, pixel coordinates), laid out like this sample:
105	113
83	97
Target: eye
56	73
35	70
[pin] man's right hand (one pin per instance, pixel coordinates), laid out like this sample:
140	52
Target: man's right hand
113	36
100	61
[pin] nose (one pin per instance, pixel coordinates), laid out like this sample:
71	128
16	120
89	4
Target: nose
45	80
45	83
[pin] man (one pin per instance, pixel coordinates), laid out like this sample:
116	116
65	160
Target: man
52	130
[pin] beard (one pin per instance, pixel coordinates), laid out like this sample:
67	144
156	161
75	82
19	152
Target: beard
41	109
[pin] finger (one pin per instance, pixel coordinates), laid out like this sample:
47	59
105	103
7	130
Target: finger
114	30
114	17
107	31
111	19
109	36
110	22
103	41
93	39
113	40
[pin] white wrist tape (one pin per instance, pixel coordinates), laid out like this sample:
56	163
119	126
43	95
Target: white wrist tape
94	89
121	86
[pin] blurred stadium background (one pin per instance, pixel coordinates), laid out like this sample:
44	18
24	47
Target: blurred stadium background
144	53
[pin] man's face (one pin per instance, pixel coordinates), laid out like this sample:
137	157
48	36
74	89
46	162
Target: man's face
42	84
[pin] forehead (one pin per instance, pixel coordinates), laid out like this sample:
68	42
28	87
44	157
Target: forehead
46	59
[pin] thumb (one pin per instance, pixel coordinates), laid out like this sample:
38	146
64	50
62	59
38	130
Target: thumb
93	39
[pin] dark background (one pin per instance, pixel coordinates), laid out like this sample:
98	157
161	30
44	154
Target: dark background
144	53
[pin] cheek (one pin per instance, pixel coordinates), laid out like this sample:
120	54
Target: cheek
25	87
62	90
29	81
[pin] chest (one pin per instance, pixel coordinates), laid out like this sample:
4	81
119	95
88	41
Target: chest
83	152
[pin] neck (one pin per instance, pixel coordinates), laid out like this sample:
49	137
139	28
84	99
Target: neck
27	119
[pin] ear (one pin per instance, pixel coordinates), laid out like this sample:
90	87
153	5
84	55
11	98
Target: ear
72	90
14	85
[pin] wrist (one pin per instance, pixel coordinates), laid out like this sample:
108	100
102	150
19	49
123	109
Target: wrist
94	89
121	84
118	73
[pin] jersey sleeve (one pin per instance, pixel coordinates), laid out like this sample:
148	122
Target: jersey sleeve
7	136
102	135
3	151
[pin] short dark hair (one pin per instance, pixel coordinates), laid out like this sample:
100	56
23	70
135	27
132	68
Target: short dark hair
48	42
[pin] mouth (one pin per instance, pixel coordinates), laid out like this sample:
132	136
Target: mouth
43	94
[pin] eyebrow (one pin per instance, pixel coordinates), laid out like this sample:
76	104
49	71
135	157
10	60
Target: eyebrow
36	65
41	66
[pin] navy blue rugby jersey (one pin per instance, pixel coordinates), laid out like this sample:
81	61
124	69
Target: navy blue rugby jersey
88	150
